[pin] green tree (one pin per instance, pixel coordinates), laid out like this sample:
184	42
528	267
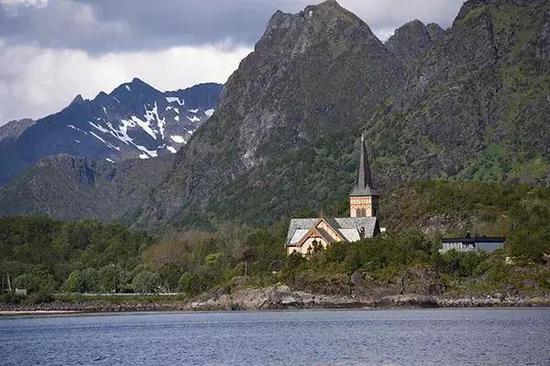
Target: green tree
531	237
36	281
109	278
170	275
146	281
194	283
74	282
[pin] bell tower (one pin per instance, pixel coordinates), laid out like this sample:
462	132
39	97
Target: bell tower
363	199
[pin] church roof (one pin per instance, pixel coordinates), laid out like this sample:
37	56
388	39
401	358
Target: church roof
348	227
364	185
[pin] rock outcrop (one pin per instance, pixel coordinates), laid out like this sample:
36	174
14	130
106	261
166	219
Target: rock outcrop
279	298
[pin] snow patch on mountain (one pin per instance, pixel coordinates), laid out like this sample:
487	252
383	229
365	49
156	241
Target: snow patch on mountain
175	100
178	139
77	129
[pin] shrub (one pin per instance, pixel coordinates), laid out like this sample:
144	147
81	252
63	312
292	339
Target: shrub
146	281
74	282
323	283
39	297
35	281
195	283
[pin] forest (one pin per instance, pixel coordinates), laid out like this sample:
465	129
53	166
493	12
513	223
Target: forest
50	257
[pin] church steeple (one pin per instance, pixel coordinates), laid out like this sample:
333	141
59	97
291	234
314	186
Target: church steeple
364	185
364	197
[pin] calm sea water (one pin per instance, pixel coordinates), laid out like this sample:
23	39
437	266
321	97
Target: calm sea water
380	337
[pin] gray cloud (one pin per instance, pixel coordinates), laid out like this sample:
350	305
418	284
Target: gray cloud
98	26
35	81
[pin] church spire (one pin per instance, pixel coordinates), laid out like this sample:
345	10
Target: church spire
364	185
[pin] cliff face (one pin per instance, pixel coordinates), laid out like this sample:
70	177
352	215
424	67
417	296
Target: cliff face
475	104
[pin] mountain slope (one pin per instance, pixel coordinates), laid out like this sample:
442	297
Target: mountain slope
312	77
67	187
135	120
13	129
475	105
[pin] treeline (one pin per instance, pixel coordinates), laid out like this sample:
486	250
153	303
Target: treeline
410	262
47	256
44	255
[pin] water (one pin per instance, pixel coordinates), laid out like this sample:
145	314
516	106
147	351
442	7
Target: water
381	337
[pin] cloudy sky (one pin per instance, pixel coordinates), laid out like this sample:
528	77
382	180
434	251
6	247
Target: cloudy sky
51	50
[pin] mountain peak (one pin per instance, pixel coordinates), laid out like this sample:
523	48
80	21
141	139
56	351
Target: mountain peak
14	129
471	5
328	4
326	21
134	86
77	100
410	40
138	82
331	10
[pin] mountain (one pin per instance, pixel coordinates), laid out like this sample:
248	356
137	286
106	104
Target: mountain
466	103
475	103
305	92
68	187
13	129
135	120
413	38
469	102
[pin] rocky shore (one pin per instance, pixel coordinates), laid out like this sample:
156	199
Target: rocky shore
277	298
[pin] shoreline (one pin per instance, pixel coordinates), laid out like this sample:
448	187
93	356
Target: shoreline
69	313
271	298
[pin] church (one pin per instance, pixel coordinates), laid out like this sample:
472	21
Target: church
305	234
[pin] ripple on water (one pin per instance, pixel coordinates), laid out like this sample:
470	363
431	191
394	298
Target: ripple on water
382	337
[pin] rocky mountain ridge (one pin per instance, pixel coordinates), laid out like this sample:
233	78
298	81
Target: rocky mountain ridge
134	121
433	104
